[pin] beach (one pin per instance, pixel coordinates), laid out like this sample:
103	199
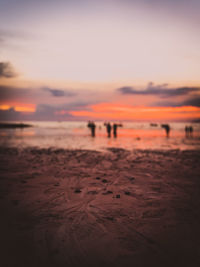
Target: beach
117	207
99	133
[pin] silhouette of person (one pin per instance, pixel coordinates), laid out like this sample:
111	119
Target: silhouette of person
115	126
92	127
190	130
187	131
167	129
108	128
115	130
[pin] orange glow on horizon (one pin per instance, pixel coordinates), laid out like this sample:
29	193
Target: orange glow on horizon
109	111
20	107
4	107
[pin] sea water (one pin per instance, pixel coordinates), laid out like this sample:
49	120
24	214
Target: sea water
76	135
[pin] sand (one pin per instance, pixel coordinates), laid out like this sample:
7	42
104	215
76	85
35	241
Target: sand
89	208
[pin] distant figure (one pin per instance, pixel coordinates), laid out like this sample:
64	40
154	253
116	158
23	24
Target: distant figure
186	131
167	129
108	128
190	128
115	125
92	127
153	124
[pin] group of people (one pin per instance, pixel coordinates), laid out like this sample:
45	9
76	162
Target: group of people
188	130
110	128
91	125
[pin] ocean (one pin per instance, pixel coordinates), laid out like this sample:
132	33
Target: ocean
76	135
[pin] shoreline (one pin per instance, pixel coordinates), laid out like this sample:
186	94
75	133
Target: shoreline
58	149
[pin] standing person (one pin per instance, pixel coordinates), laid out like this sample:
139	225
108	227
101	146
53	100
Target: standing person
92	127
190	130
108	128
167	129
115	126
115	130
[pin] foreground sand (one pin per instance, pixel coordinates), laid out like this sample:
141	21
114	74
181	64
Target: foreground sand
89	208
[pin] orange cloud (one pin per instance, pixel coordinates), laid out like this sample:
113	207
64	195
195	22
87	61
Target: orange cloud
112	111
21	107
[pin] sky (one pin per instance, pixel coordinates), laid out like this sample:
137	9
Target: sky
136	60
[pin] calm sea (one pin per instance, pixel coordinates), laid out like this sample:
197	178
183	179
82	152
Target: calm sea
76	135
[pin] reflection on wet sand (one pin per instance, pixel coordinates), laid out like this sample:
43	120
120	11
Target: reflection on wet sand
75	135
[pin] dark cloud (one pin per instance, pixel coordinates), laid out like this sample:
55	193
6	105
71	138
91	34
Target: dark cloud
160	90
192	101
78	105
49	109
127	90
58	112
6	70
59	92
11	93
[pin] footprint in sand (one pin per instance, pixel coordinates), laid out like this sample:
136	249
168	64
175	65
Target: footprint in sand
107	192
77	191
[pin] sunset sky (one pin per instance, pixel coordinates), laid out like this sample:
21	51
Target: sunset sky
136	60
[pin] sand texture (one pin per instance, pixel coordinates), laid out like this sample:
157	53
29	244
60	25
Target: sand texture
88	208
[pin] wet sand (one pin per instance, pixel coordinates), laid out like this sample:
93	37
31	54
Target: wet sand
89	208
